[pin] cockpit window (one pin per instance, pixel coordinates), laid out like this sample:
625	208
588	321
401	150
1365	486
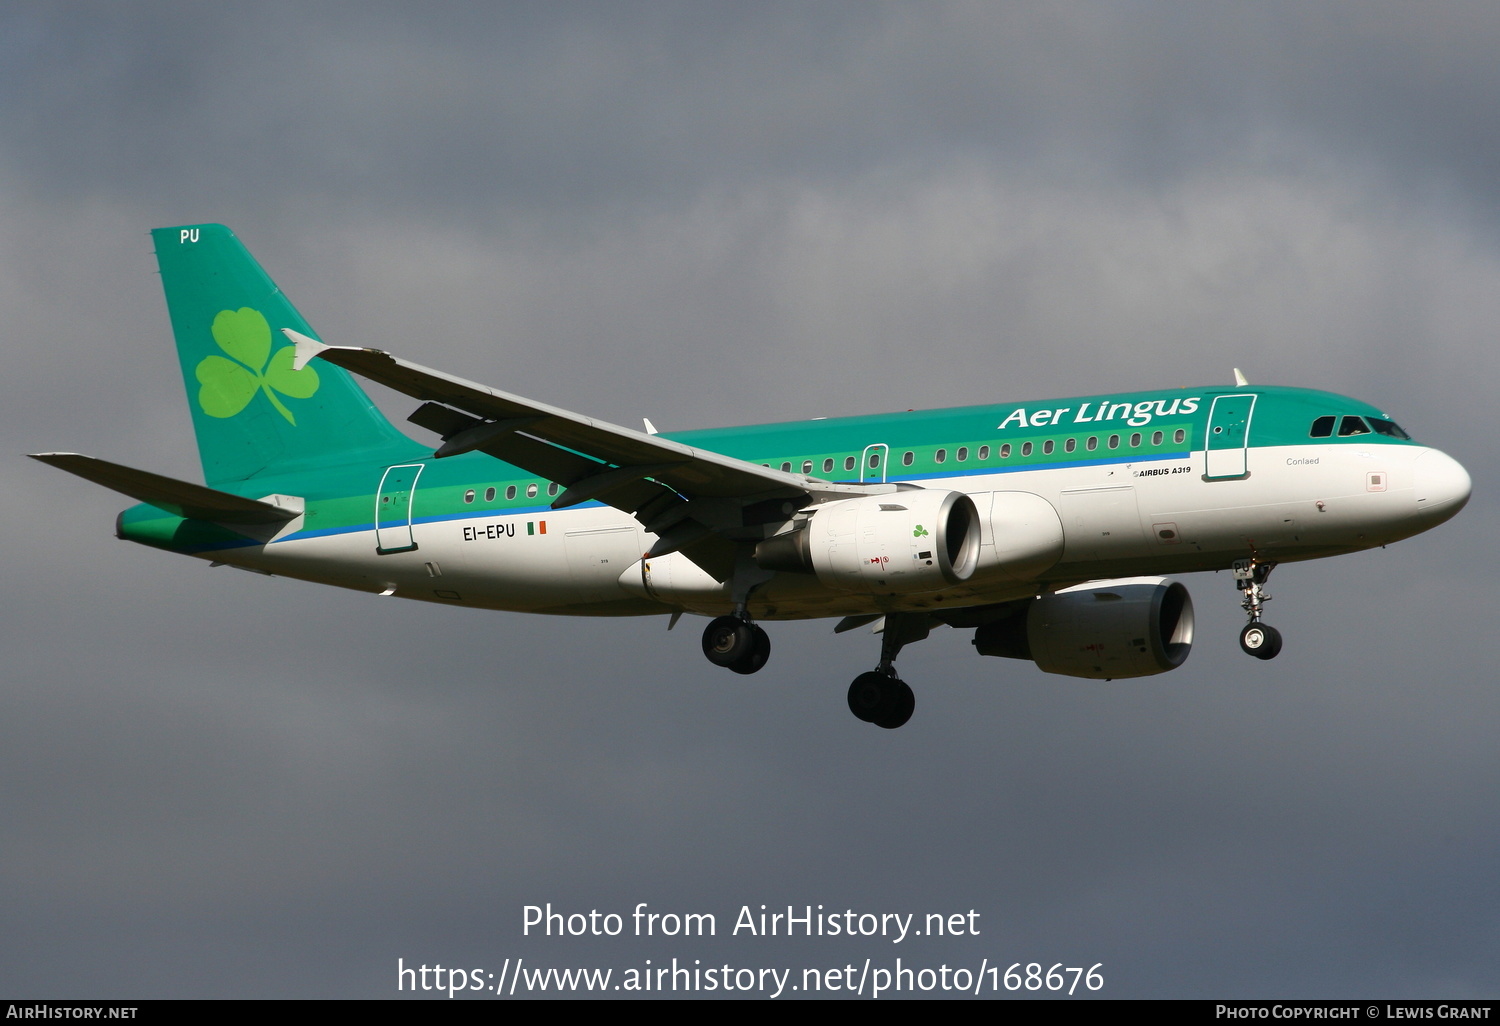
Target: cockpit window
1351	425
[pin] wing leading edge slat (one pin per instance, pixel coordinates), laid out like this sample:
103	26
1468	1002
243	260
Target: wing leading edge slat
691	471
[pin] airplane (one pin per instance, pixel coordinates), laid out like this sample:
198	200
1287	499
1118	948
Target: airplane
1047	528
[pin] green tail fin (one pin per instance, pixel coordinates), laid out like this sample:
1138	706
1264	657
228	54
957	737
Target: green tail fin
253	413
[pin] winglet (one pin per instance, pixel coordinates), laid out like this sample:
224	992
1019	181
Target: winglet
307	348
650	427
1239	379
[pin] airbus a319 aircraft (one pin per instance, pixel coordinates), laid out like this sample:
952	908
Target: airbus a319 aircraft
1043	527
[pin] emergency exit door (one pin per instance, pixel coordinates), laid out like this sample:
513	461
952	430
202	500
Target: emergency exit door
1226	450
393	509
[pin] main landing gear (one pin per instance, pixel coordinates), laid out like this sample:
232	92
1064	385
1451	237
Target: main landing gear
736	643
880	696
1258	639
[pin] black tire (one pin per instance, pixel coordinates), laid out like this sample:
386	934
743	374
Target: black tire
1260	640
728	640
869	695
760	651
903	704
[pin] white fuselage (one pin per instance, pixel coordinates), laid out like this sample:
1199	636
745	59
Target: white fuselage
1156	517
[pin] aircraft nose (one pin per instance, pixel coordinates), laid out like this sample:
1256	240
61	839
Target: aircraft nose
1442	485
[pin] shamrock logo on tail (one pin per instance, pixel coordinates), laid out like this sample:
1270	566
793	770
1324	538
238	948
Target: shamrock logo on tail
920	532
230	384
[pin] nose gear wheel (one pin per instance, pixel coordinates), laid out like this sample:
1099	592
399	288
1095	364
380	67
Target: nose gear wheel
1258	639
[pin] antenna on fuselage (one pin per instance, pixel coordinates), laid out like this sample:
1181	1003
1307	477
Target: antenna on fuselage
1239	379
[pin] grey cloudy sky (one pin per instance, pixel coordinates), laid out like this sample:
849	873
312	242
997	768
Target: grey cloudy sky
214	784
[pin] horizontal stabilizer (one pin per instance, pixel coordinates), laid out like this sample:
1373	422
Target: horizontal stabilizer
165	493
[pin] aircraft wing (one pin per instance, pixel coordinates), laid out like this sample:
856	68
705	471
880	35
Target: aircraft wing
692	499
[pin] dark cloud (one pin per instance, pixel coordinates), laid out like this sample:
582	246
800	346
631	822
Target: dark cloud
494	112
217	784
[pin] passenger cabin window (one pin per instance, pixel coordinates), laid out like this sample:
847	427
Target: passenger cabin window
786	468
489	495
941	456
963	453
828	465
1092	443
1070	444
848	462
531	491
1114	441
807	466
1179	436
510	491
1322	427
1047	447
1135	439
469	495
984	452
552	488
906	459
1025	448
1156	437
1353	426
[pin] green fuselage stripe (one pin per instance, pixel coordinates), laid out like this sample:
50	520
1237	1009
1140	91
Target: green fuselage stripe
342	500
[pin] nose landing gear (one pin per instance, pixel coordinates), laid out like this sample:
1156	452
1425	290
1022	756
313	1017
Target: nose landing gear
1258	639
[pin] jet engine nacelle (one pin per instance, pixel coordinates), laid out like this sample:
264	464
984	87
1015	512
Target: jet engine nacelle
1026	536
897	543
1133	627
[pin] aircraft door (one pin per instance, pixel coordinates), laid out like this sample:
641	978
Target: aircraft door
872	463
393	509
1228	436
